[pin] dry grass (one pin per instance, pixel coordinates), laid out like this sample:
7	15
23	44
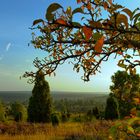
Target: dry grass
65	131
26	137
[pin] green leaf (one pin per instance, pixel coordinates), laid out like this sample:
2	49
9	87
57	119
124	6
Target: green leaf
68	11
128	56
113	131
76	24
132	120
133	13
97	36
49	17
130	130
121	64
37	21
77	10
136	17
53	7
137	130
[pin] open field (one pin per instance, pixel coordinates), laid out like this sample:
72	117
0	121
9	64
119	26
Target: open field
65	131
96	130
78	124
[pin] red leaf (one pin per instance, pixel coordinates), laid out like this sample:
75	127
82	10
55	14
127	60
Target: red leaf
99	44
137	61
61	21
87	32
105	4
138	134
120	53
78	1
89	6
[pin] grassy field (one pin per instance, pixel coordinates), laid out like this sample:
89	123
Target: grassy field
96	130
65	131
93	130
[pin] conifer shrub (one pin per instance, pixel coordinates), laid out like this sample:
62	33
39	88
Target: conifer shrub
40	103
112	109
55	119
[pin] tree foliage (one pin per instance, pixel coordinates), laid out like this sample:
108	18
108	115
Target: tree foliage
112	108
94	113
18	111
125	88
55	118
103	28
40	103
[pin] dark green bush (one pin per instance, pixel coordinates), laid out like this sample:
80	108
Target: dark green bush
55	119
18	111
112	109
40	103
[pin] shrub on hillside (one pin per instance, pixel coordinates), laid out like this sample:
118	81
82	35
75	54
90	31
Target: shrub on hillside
55	117
18	111
112	109
40	103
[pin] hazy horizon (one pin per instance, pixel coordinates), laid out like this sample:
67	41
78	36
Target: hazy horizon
58	91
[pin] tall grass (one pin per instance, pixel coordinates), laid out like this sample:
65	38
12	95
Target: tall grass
65	131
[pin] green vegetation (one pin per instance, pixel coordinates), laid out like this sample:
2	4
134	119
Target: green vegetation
112	109
125	88
90	117
18	111
55	118
2	112
86	44
40	103
88	40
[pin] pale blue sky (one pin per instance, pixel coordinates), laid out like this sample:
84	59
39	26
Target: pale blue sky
16	57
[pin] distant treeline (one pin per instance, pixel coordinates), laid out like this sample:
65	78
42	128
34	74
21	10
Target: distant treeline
62	101
23	96
80	105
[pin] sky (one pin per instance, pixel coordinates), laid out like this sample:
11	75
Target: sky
16	16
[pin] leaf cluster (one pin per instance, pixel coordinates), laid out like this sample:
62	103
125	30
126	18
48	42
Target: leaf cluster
104	29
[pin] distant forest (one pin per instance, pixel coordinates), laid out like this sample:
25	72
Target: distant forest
63	101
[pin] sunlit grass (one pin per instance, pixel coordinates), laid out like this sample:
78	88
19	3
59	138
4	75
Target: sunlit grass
64	131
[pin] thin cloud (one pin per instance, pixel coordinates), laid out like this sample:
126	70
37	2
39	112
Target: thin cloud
8	46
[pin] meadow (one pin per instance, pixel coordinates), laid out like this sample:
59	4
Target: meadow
96	130
65	131
80	125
